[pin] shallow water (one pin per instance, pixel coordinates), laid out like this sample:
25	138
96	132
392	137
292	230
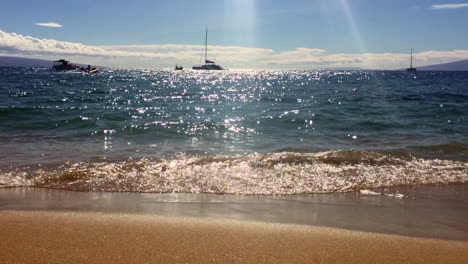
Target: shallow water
227	132
425	211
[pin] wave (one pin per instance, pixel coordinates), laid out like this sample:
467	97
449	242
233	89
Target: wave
437	97
454	147
260	174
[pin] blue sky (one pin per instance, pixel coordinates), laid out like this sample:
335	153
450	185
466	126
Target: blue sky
335	26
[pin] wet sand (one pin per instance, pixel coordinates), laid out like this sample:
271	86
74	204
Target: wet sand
427	225
438	212
64	237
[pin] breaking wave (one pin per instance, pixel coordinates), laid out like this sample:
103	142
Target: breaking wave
264	174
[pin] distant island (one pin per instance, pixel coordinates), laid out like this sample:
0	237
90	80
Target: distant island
24	62
451	66
8	61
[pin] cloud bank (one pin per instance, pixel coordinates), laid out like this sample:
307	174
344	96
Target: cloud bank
165	56
49	24
449	6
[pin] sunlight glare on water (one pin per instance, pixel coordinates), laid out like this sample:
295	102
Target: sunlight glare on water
49	119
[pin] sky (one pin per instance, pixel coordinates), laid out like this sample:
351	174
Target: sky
247	34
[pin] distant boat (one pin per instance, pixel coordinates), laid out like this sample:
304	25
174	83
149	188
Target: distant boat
92	70
411	69
209	64
64	65
179	68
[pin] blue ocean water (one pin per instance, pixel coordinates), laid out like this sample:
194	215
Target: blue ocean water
58	117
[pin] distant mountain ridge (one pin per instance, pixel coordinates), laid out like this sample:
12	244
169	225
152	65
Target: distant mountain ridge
8	61
451	66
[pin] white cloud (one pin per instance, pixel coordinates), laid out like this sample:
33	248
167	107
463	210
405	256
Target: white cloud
164	56
449	6
49	24
12	42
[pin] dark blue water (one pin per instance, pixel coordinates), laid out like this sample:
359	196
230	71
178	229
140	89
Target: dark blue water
51	118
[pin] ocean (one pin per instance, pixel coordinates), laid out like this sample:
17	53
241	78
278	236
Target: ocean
232	132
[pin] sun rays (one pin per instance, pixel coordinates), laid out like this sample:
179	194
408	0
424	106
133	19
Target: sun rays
358	39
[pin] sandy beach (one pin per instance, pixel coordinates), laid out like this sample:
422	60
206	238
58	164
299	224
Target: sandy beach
54	226
62	237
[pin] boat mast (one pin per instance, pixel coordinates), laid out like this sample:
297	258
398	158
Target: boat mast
206	45
411	63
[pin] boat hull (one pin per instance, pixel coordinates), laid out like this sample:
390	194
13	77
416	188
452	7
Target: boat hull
64	67
208	67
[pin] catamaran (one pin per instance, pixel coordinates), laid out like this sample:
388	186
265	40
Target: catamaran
411	69
209	64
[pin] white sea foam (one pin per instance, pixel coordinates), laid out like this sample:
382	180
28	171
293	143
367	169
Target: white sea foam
369	192
396	195
277	173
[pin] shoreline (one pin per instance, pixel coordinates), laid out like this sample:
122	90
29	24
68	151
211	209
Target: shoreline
71	237
434	212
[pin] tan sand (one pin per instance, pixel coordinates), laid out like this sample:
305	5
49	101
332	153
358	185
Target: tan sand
52	237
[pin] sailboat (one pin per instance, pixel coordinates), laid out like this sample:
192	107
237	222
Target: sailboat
411	69
209	64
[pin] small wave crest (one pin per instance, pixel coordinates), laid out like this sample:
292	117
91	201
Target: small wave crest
265	174
450	148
